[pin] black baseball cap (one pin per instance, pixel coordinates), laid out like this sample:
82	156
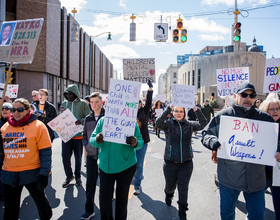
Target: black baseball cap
245	86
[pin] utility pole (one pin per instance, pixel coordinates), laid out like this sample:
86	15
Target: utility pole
236	13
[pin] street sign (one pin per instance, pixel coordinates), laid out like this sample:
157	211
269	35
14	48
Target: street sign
161	32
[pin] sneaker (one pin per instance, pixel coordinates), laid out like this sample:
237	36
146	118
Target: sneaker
87	215
137	190
67	182
78	182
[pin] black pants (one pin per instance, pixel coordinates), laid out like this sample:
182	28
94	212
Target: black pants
12	201
178	174
92	175
107	182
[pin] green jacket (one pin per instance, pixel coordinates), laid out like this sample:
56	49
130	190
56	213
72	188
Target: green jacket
78	107
114	157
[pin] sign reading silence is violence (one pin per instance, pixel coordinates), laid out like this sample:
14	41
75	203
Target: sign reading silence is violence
121	110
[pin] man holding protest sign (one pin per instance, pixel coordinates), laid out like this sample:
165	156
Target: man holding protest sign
80	110
235	175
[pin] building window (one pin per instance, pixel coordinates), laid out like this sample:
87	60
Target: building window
189	78
50	88
193	77
174	75
198	78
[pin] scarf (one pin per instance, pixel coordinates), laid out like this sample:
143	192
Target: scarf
19	123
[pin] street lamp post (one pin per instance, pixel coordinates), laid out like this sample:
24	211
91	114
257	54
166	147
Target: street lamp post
90	45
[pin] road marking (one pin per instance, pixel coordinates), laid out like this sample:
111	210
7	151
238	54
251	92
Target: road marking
149	149
131	189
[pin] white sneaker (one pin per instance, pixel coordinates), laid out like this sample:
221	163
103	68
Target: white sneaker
137	190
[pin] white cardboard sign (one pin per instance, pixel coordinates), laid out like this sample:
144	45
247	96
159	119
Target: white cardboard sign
64	125
183	96
228	79
11	92
161	97
139	70
248	140
121	110
272	76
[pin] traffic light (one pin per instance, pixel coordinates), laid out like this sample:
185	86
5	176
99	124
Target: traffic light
175	38
183	36
10	76
237	32
179	24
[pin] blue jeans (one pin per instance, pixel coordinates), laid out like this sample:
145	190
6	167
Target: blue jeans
255	203
76	146
140	154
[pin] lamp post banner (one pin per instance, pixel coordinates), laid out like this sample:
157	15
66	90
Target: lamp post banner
272	76
228	79
139	70
18	40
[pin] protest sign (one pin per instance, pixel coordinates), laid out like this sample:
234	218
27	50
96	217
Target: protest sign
139	70
22	40
158	112
228	79
64	125
11	92
272	76
161	97
183	96
247	140
121	110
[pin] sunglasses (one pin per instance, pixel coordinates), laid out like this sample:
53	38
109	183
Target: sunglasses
20	109
6	108
244	95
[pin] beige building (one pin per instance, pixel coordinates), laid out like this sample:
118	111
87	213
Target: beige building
202	72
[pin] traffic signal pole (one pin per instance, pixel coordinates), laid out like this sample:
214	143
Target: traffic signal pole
236	13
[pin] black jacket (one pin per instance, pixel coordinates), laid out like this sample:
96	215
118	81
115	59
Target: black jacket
51	113
89	126
178	147
143	117
236	175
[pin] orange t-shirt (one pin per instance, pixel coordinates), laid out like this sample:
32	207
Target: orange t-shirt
22	145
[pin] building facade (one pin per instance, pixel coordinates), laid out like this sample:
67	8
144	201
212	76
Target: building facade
169	78
58	61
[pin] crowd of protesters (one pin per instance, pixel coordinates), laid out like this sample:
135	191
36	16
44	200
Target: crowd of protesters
27	124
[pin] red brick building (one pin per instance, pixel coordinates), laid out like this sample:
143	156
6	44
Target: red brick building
57	61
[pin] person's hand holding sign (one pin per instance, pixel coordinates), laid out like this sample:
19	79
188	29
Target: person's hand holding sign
78	122
132	141
277	156
99	138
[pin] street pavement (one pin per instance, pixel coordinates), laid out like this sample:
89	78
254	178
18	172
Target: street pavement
68	203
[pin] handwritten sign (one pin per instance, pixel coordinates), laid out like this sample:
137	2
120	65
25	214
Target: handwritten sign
11	92
248	140
158	112
64	125
121	110
272	76
23	40
229	79
161	97
183	96
139	70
